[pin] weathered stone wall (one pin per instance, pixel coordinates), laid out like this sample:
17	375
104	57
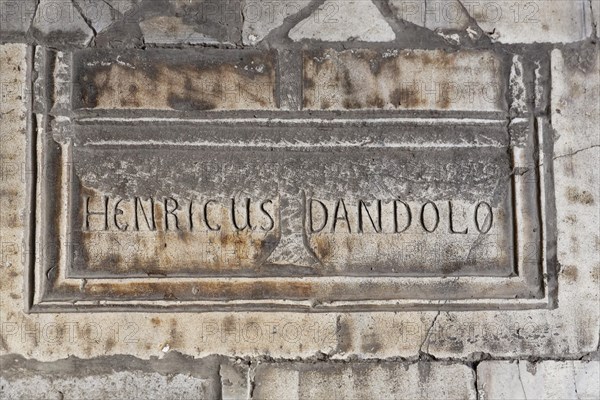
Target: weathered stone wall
305	199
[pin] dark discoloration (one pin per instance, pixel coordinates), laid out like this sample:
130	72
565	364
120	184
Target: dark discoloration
63	38
210	290
109	344
323	248
16	367
153	80
375	101
595	274
575	195
370	343
370	79
344	334
570	273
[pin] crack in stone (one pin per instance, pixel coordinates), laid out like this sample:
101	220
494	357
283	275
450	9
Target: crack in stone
592	13
86	20
574	380
110	6
520	380
575	152
429	332
474	368
251	380
571	154
35	11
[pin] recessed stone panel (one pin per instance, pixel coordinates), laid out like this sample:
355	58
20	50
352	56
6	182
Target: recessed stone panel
174	80
396	79
248	199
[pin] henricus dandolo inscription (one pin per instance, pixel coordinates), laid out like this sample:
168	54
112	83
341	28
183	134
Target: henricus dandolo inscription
189	210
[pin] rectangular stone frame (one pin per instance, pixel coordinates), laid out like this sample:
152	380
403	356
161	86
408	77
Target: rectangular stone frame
49	289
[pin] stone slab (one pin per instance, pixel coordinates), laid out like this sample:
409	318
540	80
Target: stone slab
263	16
61	22
364	381
404	79
178	22
234	381
271	203
554	21
444	15
339	21
170	378
15	19
547	380
99	14
174	80
241	218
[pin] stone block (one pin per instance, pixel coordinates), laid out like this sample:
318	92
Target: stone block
385	380
60	23
15	19
403	79
554	21
208	22
116	379
339	21
234	381
544	380
174	80
263	16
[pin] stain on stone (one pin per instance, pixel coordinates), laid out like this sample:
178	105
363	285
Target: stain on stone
531	368
574	195
346	82
139	81
370	343
570	273
344	335
370	79
595	273
407	98
109	344
375	101
323	248
571	219
424	371
229	324
174	335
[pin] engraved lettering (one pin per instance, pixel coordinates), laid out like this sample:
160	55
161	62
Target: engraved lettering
118	212
489	217
408	216
377	226
344	217
271	220
191	214
451	223
139	206
171	212
88	212
233	218
437	217
311	214
214	228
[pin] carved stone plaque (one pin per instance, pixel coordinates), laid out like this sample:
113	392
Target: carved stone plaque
161	190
